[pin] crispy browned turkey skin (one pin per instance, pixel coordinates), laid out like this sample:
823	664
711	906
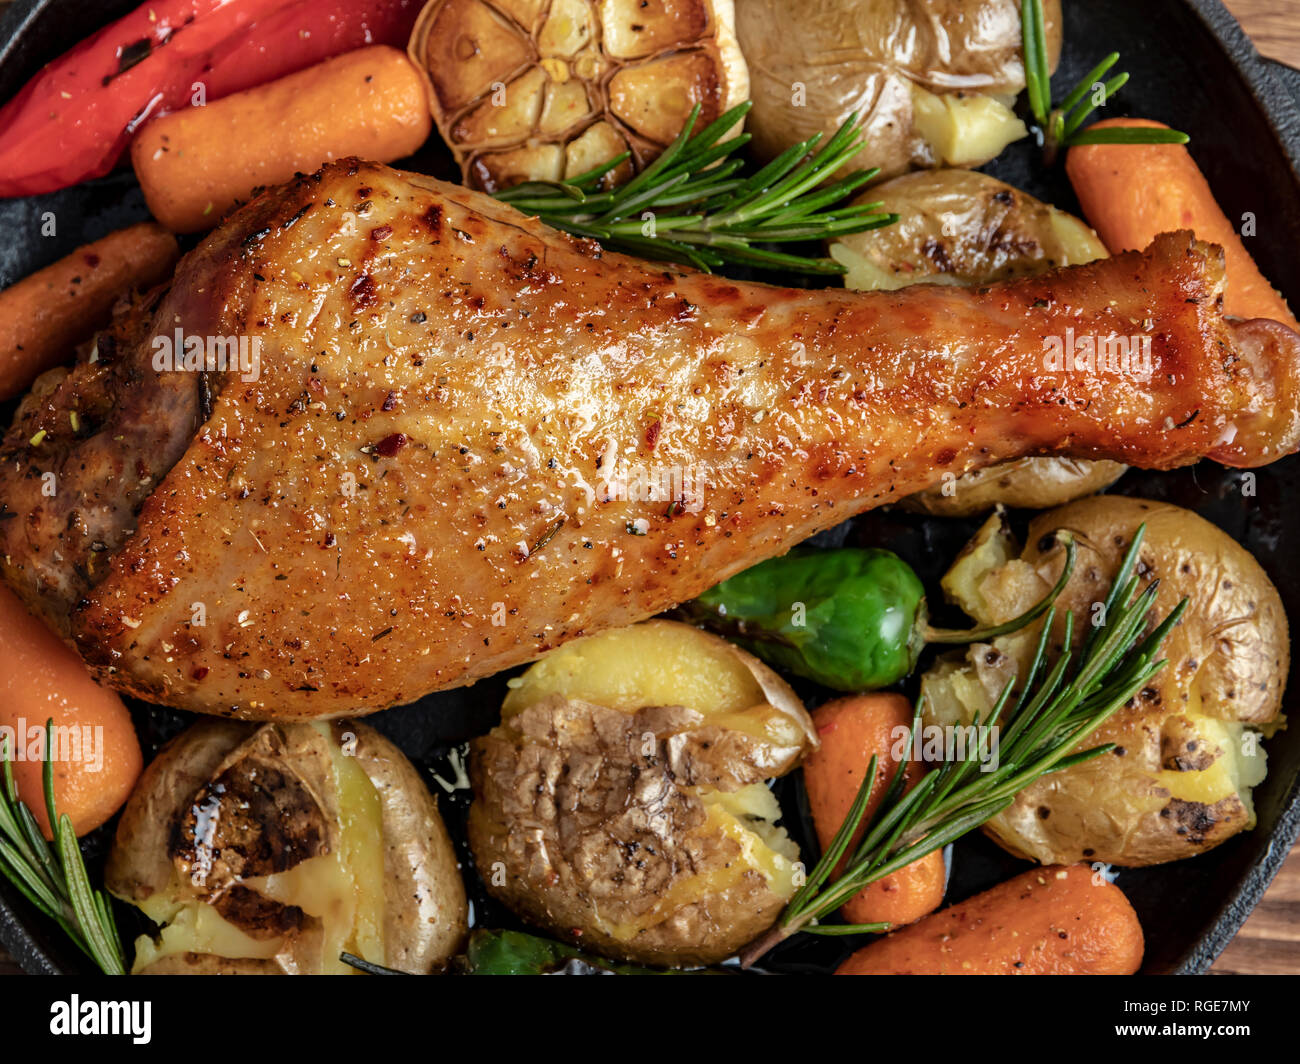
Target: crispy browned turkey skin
473	438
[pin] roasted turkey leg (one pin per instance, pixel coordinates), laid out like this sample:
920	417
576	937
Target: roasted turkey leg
470	438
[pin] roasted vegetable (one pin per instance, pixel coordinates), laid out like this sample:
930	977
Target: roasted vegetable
1036	483
1188	753
540	92
960	227
851	619
97	756
47	314
852	731
622	802
74	119
936	79
1131	192
517	953
196	164
1048	921
275	849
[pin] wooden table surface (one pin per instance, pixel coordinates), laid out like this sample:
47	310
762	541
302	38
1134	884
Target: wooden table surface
1269	943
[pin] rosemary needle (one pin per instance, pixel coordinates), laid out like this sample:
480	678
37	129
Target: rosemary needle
1059	126
692	205
53	876
1057	710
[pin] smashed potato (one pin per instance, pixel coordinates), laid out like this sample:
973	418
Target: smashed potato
933	81
1188	747
1035	483
622	803
964	228
272	849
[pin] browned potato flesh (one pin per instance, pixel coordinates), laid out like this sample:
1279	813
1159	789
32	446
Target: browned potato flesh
274	848
1188	747
961	227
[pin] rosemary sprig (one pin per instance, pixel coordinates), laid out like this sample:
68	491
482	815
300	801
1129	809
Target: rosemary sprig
691	205
369	967
1060	126
53	876
1053	716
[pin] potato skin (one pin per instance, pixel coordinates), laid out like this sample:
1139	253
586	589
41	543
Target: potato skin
1035	483
846	56
961	227
609	833
190	963
425	910
608	826
139	864
1178	782
1048	921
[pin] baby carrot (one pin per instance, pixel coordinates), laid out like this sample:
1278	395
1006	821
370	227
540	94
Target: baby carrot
1130	193
44	316
851	730
1055	920
97	756
197	163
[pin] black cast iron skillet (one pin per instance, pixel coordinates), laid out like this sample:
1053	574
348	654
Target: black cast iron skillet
1193	68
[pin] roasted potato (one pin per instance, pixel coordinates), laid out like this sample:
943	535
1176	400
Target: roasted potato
1187	746
271	849
1036	483
622	802
960	227
933	80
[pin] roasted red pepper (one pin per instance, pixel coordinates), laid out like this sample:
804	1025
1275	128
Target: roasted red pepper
73	120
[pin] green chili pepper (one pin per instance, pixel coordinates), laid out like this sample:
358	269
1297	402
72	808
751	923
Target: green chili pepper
851	619
516	953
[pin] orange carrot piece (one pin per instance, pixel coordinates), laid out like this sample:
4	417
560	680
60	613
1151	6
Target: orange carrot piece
1056	920
851	730
43	317
97	767
1130	193
195	164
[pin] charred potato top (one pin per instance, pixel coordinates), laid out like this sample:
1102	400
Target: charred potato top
1179	781
272	849
933	80
622	802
